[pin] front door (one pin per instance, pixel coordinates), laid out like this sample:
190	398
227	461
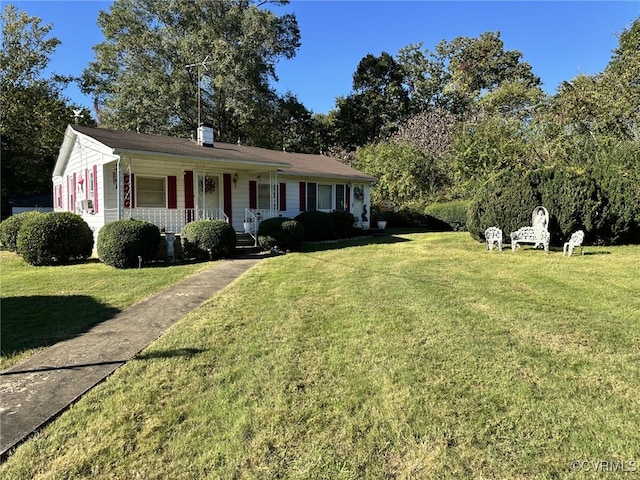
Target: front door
208	196
359	209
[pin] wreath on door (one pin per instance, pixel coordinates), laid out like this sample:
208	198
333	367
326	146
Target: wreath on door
209	185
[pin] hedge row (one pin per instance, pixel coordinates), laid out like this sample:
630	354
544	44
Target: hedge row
61	237
453	214
602	200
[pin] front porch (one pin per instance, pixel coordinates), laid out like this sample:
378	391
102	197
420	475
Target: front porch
173	220
167	220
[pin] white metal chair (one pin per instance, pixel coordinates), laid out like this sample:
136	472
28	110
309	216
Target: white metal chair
575	241
493	235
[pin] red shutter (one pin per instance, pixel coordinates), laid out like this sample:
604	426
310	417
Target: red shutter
188	195
283	197
347	199
172	192
95	189
75	193
303	197
253	194
188	189
226	194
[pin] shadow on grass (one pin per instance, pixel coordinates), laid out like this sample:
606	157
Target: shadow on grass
178	352
378	239
39	321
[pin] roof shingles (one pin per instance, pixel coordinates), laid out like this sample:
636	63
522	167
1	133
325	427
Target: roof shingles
290	163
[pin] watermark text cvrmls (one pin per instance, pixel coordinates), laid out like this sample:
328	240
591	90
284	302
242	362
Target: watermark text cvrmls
605	466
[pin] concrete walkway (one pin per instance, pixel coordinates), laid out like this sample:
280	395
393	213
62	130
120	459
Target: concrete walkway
37	390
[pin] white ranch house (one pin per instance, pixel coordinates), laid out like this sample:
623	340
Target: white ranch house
105	175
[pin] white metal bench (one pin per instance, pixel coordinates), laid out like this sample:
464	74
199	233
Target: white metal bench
537	236
493	235
575	241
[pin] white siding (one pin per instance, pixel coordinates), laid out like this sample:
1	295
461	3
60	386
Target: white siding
86	152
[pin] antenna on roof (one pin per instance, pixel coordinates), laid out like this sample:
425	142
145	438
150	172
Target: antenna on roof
202	64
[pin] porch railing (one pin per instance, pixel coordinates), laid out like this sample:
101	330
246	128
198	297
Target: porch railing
169	220
252	219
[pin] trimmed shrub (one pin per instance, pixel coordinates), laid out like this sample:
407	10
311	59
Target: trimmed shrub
282	232
343	222
53	238
602	200
453	214
410	215
120	243
317	226
208	239
621	210
505	201
10	228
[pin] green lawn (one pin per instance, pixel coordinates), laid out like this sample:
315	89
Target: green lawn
414	356
42	305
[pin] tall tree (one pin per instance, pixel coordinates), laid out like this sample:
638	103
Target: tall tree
459	73
376	107
150	70
34	113
607	103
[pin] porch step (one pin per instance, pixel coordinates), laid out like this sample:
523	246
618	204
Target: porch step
246	243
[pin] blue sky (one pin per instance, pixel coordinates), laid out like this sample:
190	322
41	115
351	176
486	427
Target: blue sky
559	39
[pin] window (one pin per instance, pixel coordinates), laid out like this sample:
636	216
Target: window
340	206
264	197
324	197
150	192
311	195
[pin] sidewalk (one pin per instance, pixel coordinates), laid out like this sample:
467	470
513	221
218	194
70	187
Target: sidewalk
37	390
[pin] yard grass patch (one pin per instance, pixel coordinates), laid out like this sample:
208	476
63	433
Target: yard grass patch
415	356
43	305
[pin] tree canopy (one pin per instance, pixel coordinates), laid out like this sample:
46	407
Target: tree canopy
34	113
376	107
158	58
430	124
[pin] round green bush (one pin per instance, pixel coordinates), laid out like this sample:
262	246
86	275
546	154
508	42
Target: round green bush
120	243
317	226
53	238
10	228
208	239
343	222
282	232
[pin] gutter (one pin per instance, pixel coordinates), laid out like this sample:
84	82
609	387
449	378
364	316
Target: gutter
148	154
